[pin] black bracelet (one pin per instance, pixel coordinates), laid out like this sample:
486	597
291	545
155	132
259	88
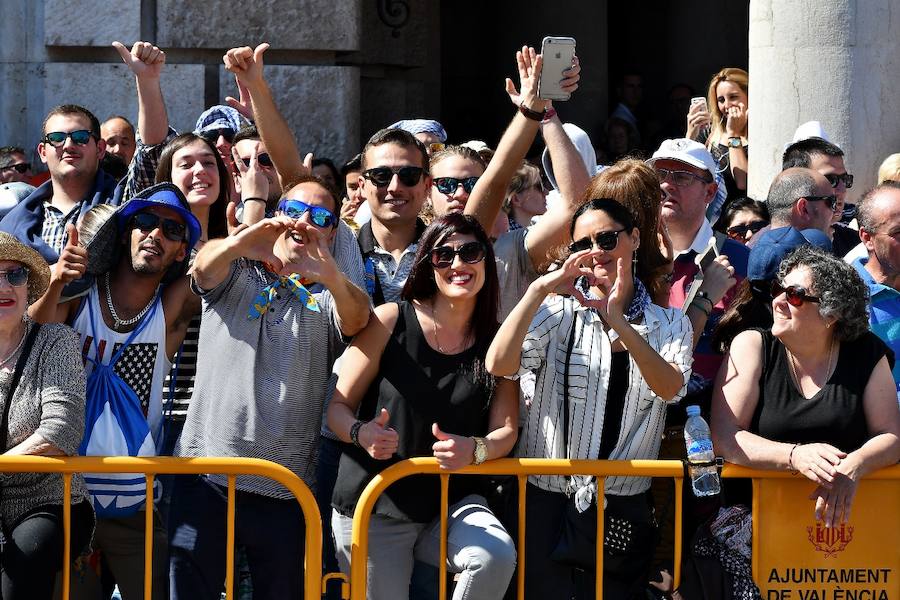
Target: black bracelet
263	200
354	433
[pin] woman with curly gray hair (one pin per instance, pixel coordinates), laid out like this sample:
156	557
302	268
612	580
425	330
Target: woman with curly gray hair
815	394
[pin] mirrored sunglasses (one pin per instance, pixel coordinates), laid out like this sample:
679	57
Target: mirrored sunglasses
171	229
382	176
319	216
57	139
470	253
15	277
449	185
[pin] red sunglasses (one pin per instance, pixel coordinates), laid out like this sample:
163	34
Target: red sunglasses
796	295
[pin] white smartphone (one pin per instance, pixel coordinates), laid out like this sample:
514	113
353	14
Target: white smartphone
700	100
558	53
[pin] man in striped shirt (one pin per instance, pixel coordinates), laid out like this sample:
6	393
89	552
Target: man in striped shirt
879	230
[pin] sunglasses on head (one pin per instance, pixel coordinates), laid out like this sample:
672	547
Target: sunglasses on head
605	240
320	216
739	232
58	138
263	159
796	295
680	178
171	229
18	167
15	277
470	253
212	135
449	185
831	200
835	179
382	176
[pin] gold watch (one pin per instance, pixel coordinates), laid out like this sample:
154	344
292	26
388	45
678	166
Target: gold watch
481	452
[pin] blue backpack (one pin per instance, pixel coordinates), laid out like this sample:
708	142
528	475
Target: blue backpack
115	426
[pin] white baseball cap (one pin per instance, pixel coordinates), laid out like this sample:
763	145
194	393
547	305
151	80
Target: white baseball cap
686	151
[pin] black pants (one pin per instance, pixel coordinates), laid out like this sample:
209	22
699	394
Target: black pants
34	548
545	578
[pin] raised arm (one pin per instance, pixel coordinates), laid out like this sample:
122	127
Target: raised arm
146	62
70	267
487	197
247	65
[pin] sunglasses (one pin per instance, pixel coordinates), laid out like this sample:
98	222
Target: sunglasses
605	240
58	138
212	135
835	179
831	201
18	167
263	159
470	253
680	178
449	185
15	277
739	232
382	176
320	217
171	229
795	294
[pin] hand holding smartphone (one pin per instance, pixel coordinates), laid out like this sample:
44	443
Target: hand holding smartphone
558	53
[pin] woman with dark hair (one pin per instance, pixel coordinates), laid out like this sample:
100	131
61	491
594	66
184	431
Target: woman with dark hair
608	362
743	218
815	393
193	164
414	383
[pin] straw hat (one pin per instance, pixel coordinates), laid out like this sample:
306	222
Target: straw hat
38	270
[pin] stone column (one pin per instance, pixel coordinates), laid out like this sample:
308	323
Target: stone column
835	62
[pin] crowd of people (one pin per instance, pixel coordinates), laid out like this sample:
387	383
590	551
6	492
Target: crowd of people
219	293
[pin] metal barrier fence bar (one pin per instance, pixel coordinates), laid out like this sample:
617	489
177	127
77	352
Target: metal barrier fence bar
524	467
151	466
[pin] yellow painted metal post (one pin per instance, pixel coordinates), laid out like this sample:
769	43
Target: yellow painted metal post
521	553
148	538
679	486
754	519
600	482
445	481
229	540
67	533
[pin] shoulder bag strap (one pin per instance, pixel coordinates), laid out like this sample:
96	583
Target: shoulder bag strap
17	375
570	343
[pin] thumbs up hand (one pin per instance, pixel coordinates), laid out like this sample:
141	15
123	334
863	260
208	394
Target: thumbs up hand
379	440
73	260
452	451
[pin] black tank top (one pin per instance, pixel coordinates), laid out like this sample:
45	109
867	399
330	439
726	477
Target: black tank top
418	386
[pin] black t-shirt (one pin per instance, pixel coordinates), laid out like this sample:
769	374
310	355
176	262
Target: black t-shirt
418	386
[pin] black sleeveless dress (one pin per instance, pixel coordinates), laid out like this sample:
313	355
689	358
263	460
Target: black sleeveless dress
418	386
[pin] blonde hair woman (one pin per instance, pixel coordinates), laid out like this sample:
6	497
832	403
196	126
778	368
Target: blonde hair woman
889	169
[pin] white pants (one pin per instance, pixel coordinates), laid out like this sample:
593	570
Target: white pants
478	548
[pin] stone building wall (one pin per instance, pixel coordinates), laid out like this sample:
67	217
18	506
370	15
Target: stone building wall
339	69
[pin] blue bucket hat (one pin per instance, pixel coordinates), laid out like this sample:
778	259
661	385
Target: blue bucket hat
775	244
103	249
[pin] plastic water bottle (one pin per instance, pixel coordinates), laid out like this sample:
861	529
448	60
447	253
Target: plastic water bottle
704	480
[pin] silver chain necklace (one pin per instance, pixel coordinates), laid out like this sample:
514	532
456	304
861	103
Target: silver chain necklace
120	323
15	350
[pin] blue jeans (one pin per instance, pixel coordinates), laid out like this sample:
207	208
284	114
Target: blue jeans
271	531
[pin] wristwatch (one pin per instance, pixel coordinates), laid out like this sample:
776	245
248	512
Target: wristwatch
734	142
480	451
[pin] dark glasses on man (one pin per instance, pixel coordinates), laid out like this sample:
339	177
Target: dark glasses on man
147	222
470	253
449	185
58	138
15	277
680	178
795	294
18	167
831	201
382	176
320	217
835	179
263	159
212	135
605	240
739	232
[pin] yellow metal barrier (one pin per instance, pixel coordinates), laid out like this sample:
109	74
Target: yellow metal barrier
151	466
524	467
